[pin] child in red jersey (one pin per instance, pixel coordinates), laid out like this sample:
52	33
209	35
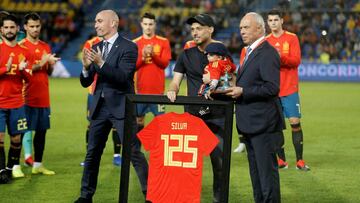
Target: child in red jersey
219	71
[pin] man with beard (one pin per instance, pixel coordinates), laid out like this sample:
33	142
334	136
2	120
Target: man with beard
14	60
37	93
191	63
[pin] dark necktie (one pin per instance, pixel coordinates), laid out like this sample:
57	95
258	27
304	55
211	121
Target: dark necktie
106	50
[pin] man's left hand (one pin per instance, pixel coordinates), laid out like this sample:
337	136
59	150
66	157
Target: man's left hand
234	92
95	56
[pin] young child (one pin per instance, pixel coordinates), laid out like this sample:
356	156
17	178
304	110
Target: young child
219	71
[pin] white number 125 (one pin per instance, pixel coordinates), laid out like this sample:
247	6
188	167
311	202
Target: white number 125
183	147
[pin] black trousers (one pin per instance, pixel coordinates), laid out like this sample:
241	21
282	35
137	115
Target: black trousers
99	129
217	127
263	166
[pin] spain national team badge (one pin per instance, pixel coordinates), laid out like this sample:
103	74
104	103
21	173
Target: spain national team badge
286	48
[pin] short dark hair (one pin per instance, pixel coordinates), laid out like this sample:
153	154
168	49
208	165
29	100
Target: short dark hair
10	17
148	15
31	16
275	12
2	15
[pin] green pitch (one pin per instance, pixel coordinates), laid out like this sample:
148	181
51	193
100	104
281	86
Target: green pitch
331	127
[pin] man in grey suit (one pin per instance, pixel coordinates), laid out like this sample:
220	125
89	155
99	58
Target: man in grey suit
111	65
258	111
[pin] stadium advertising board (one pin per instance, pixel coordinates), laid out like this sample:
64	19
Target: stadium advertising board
337	72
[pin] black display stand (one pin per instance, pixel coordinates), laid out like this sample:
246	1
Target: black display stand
132	99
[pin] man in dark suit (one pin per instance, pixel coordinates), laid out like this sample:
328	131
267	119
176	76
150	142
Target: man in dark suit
258	111
111	64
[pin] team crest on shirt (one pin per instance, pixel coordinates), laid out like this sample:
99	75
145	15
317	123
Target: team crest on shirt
12	54
37	51
285	47
277	44
157	49
21	57
215	64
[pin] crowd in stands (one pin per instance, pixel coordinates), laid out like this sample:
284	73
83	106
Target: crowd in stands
327	30
61	20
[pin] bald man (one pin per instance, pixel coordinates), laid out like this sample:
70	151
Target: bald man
258	110
111	65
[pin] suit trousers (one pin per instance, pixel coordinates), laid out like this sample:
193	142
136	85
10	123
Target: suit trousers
100	127
263	166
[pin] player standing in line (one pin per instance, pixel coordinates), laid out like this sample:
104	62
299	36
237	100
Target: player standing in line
19	35
154	55
37	99
115	137
287	45
14	60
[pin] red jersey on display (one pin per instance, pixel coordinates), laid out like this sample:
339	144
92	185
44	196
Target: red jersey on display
219	67
150	74
290	57
88	44
11	81
37	89
177	144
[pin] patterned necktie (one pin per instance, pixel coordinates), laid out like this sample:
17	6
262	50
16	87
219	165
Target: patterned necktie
248	50
106	50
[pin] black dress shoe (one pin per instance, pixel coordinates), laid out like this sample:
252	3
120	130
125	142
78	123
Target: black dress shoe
83	200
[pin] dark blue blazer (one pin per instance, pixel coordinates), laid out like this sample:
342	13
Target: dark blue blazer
258	110
115	78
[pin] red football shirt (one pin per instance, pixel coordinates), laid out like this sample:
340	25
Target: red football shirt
88	44
290	57
37	89
177	144
11	87
218	68
150	74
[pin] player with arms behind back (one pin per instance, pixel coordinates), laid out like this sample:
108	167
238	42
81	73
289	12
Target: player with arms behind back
287	45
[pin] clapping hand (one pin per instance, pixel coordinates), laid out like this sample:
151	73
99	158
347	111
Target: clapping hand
22	65
147	51
86	59
52	59
9	63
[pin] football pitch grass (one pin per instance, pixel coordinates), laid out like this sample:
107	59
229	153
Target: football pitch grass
331	126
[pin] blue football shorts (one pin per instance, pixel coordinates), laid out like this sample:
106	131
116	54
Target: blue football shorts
14	119
37	118
291	105
156	109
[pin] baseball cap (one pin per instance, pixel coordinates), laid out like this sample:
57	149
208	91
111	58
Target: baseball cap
217	48
203	19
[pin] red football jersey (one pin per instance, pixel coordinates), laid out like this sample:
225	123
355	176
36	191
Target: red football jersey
88	44
11	87
218	68
177	144
150	74
37	89
290	57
